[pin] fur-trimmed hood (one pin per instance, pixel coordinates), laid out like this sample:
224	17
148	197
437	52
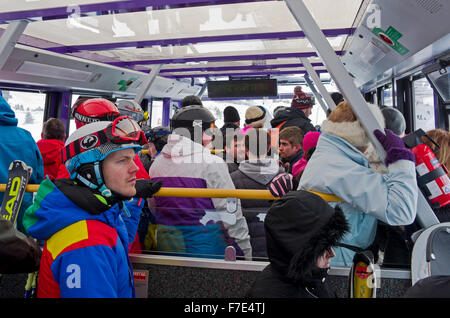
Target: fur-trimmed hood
299	228
352	131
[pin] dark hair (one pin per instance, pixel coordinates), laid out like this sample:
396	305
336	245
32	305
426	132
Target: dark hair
191	100
262	146
309	153
53	129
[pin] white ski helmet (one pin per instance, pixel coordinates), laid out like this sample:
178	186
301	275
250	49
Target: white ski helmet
89	145
131	108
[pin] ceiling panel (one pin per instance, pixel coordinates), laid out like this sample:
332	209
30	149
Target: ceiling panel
189	39
251	48
229	19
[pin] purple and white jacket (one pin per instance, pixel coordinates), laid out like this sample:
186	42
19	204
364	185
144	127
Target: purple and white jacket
196	225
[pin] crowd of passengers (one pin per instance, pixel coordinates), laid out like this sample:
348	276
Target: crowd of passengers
96	202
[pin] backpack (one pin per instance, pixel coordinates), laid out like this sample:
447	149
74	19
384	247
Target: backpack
431	253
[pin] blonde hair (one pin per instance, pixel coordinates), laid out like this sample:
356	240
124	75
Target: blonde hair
342	113
342	122
442	138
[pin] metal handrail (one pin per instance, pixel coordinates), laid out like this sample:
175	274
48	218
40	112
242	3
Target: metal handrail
209	193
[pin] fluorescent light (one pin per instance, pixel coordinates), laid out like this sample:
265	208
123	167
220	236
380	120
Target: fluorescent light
38	69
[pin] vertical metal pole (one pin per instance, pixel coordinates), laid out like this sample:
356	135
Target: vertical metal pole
150	111
323	91
316	93
203	89
167	102
425	214
147	84
64	106
336	70
9	39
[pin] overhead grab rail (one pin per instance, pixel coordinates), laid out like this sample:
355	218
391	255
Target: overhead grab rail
9	39
316	79
148	83
209	193
316	93
347	87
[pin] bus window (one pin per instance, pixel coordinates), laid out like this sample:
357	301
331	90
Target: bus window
72	126
387	96
424	116
216	107
157	113
29	110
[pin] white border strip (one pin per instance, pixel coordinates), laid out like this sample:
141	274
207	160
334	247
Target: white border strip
243	265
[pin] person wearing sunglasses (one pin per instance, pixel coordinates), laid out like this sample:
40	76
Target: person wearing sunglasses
83	220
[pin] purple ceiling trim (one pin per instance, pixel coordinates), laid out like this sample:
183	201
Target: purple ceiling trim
220	58
63	12
194	40
25	86
241	74
233	68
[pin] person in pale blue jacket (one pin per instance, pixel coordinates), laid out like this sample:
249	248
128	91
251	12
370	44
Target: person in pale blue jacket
338	166
18	144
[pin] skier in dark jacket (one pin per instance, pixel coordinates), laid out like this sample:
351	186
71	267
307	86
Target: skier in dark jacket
234	151
256	173
231	119
301	229
297	114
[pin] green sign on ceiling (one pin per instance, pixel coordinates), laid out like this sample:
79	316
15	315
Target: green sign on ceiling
391	37
124	84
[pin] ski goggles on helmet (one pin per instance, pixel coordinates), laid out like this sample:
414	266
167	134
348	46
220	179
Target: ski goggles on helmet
123	130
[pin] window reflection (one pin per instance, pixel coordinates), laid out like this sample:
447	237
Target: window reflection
387	96
424	116
157	113
29	110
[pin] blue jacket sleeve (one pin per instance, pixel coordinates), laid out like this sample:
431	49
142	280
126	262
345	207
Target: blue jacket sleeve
38	167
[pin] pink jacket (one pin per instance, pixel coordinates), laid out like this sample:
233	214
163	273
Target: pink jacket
309	141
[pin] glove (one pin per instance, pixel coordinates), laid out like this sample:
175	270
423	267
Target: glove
281	184
394	146
146	188
19	253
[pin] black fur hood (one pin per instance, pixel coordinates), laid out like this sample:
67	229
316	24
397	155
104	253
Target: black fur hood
299	228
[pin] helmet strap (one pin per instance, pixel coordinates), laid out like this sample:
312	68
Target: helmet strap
91	176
